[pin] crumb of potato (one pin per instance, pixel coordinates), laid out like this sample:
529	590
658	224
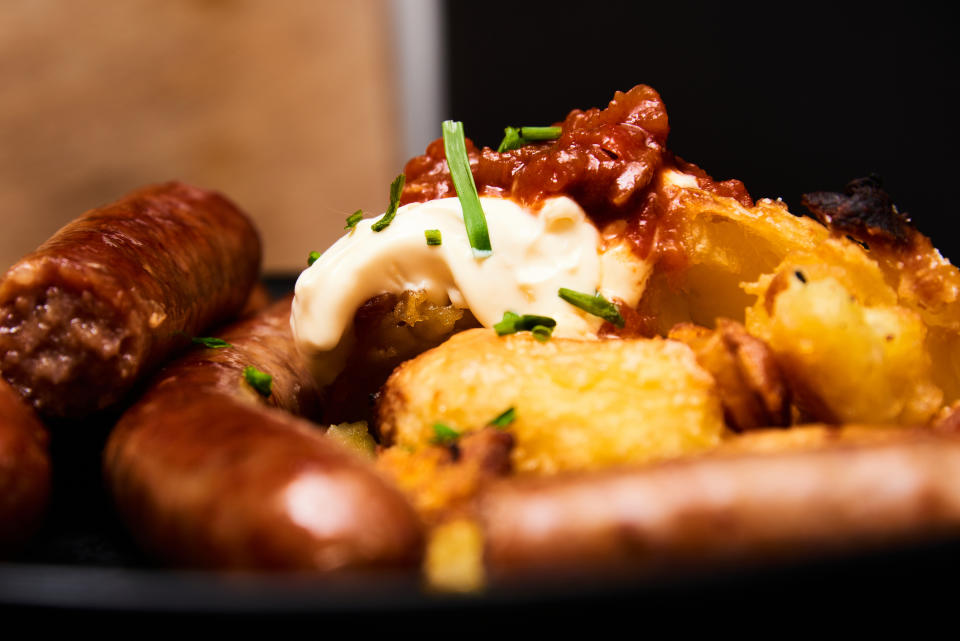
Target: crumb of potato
355	436
454	557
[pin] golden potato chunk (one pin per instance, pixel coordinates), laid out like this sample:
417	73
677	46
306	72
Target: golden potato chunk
579	404
441	481
850	352
709	245
454	557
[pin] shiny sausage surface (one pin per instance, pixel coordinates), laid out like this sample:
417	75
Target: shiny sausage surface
740	506
112	294
24	469
208	472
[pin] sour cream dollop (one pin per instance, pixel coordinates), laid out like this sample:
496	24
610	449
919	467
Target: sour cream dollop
535	253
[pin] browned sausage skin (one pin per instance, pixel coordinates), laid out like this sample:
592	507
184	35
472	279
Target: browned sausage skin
110	295
24	469
744	505
206	475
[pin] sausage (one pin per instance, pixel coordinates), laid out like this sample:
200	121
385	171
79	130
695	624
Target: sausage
208	473
112	294
24	469
738	506
257	301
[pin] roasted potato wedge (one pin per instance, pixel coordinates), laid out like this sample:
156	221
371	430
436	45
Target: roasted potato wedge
579	404
850	351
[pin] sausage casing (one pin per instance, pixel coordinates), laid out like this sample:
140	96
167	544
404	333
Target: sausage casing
206	475
112	294
24	469
742	506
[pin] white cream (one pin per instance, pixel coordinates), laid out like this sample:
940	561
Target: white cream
534	255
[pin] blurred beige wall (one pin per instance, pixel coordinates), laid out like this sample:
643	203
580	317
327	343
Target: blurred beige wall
286	106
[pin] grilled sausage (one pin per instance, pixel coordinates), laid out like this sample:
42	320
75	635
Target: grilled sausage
111	295
24	469
206	474
736	506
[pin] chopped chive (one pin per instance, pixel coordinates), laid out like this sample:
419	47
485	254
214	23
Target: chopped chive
504	419
508	325
528	322
511	140
353	219
514	137
541	333
209	341
260	381
396	188
444	434
455	148
540	133
596	305
312	258
433	236
512	323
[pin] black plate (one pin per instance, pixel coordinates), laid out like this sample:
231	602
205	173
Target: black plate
84	561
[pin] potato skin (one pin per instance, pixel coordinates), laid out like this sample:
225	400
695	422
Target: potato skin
579	404
743	505
25	474
206	474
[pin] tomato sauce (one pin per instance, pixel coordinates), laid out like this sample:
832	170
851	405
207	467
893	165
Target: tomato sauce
605	159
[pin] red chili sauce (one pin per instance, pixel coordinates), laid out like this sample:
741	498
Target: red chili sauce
605	159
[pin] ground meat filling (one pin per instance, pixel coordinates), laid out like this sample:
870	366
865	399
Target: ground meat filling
54	336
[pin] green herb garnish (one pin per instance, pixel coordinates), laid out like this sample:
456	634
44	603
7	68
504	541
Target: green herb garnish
396	188
353	219
596	305
513	323
260	381
433	236
511	140
516	137
508	325
312	258
455	147
542	333
209	341
444	434
509	416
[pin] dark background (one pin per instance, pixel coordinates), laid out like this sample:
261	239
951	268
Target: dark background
788	98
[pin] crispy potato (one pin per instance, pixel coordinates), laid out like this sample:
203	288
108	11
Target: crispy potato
579	404
433	482
713	244
850	351
717	255
748	378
